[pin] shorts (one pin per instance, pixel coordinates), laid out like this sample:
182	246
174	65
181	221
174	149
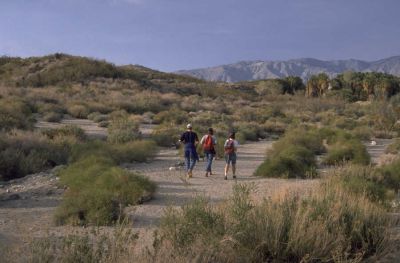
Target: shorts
230	158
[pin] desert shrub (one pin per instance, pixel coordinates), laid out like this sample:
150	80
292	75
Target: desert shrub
23	153
360	180
98	191
293	155
394	147
328	224
66	131
43	107
15	113
97	117
136	151
363	133
122	129
275	126
171	116
249	131
103	124
78	111
53	117
166	135
101	108
90	245
291	162
309	138
344	147
389	175
345	123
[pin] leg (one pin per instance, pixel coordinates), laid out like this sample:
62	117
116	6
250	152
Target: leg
187	163
226	171
233	159
209	162
192	163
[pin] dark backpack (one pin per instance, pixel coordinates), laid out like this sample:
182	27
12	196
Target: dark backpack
230	147
208	144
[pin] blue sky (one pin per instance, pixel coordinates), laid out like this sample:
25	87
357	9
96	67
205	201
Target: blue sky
182	34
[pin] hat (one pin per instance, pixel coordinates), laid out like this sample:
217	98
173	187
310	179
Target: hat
189	126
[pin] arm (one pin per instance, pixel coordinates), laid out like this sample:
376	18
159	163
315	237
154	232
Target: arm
182	139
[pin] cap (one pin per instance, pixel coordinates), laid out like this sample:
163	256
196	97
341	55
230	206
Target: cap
189	126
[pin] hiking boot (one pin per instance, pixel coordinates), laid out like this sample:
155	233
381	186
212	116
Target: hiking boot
226	177
189	174
234	177
206	174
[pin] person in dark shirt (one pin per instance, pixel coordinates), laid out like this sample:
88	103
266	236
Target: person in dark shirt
190	139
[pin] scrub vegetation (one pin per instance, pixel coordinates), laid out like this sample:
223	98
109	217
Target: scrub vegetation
324	122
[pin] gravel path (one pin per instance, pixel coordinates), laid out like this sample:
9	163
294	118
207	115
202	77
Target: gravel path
27	205
175	190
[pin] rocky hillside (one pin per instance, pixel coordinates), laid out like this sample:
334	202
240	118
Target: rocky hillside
304	68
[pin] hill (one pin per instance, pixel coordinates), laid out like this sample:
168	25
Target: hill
304	68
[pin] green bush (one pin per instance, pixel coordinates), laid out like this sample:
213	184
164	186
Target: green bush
327	225
98	191
361	180
53	117
97	117
78	111
66	131
389	175
121	129
293	155
347	151
23	153
292	162
173	115
15	113
166	135
394	147
136	151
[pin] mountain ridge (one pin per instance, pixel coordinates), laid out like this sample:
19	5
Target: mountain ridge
301	67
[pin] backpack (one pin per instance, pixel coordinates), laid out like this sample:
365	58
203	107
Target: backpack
208	144
230	147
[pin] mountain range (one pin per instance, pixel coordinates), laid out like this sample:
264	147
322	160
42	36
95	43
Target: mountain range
304	68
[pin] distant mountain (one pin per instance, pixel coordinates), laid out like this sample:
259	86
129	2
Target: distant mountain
304	68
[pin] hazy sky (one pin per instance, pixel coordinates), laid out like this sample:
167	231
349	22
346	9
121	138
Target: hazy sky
183	34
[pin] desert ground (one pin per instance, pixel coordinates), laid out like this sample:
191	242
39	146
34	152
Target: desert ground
27	204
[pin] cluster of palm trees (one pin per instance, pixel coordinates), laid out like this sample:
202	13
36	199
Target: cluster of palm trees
354	85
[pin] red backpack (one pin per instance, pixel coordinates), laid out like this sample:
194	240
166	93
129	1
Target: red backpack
208	144
230	147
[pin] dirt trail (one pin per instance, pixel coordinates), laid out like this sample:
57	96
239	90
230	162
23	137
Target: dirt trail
377	151
91	128
175	190
27	205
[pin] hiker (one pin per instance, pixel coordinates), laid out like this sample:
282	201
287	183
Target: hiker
208	142
190	139
230	147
